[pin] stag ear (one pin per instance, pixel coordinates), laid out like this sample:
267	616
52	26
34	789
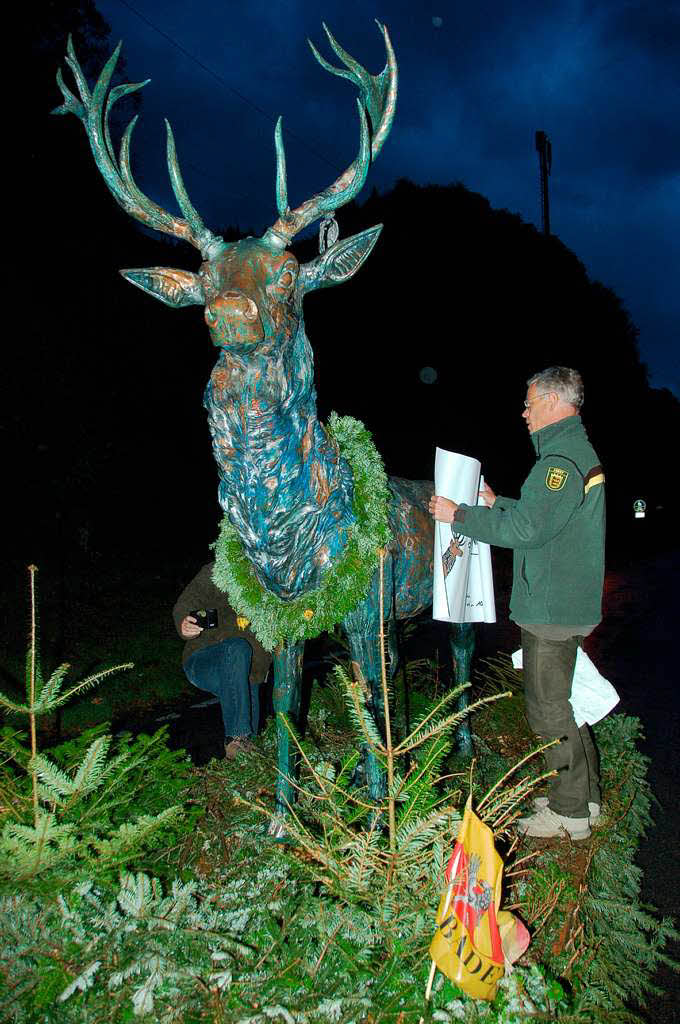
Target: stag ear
173	287
340	261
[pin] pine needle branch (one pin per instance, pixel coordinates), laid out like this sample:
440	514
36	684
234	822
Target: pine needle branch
355	701
437	709
417	736
518	764
90	682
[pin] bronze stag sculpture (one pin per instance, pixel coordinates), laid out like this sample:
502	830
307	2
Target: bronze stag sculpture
302	528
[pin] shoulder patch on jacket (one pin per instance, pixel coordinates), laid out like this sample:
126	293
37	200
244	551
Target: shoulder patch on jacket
555	478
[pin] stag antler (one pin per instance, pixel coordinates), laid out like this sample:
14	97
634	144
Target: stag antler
379	98
118	175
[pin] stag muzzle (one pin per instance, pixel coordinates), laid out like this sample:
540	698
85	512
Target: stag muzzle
234	319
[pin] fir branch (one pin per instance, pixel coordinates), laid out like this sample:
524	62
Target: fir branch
499	814
417	834
420	734
418	789
437	709
80	984
26	850
115	773
92	770
511	771
87	684
326	785
359	715
368	843
13	706
88	776
55	784
131	835
48	692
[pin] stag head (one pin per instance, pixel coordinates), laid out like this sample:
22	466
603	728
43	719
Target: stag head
252	290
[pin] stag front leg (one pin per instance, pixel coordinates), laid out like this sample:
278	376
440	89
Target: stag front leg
363	633
462	643
287	679
365	652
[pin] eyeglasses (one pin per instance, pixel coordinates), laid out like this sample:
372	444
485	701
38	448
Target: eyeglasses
528	404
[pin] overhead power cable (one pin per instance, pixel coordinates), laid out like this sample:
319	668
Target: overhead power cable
218	78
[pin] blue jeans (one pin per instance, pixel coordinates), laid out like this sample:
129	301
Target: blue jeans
223	669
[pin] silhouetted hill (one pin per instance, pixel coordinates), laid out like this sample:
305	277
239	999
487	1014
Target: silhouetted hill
485	300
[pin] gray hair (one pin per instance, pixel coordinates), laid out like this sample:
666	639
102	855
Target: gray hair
567	383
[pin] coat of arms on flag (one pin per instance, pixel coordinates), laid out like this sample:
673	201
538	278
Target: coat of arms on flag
475	940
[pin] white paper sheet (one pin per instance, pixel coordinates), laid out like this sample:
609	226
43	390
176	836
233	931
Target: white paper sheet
592	696
462	586
480	600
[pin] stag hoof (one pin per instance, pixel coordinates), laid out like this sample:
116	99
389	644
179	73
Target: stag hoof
277	829
376	822
357	779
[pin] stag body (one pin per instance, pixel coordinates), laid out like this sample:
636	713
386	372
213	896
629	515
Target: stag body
282	483
284	486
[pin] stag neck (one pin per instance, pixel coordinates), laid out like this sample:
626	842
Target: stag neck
275	238
283	484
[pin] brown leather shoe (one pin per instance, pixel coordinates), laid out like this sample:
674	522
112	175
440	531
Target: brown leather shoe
237	746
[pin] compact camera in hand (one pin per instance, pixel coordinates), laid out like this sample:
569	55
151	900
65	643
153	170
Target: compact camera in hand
205	617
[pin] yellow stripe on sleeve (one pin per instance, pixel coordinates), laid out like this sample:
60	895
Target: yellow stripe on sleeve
599	479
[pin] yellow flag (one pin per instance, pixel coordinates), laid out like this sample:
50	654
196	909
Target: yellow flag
468	946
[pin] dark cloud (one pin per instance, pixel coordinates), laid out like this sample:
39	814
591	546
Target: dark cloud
600	77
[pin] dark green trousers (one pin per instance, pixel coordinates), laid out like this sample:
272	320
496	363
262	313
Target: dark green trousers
548	673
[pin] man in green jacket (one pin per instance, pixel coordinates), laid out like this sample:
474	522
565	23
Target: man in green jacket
556	529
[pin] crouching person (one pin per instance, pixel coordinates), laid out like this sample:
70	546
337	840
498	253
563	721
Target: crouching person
221	658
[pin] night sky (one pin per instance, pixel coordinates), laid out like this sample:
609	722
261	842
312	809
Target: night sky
602	79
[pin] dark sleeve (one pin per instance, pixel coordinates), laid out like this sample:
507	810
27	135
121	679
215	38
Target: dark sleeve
200	593
503	503
542	511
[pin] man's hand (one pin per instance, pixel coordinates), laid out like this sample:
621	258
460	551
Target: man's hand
189	628
487	495
442	509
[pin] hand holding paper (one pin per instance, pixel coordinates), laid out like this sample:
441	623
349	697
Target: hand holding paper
486	495
442	509
463	581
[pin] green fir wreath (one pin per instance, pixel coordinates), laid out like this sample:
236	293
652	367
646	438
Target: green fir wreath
274	621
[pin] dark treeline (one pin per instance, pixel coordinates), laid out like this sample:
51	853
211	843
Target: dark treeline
485	300
107	449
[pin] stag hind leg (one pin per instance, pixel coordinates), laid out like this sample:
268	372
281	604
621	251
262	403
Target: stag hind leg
462	644
287	679
363	634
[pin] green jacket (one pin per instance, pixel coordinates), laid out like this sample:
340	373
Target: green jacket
556	528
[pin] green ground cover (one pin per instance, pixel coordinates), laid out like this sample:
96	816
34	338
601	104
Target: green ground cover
155	892
93	620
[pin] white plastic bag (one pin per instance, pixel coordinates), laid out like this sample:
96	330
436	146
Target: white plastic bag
592	696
